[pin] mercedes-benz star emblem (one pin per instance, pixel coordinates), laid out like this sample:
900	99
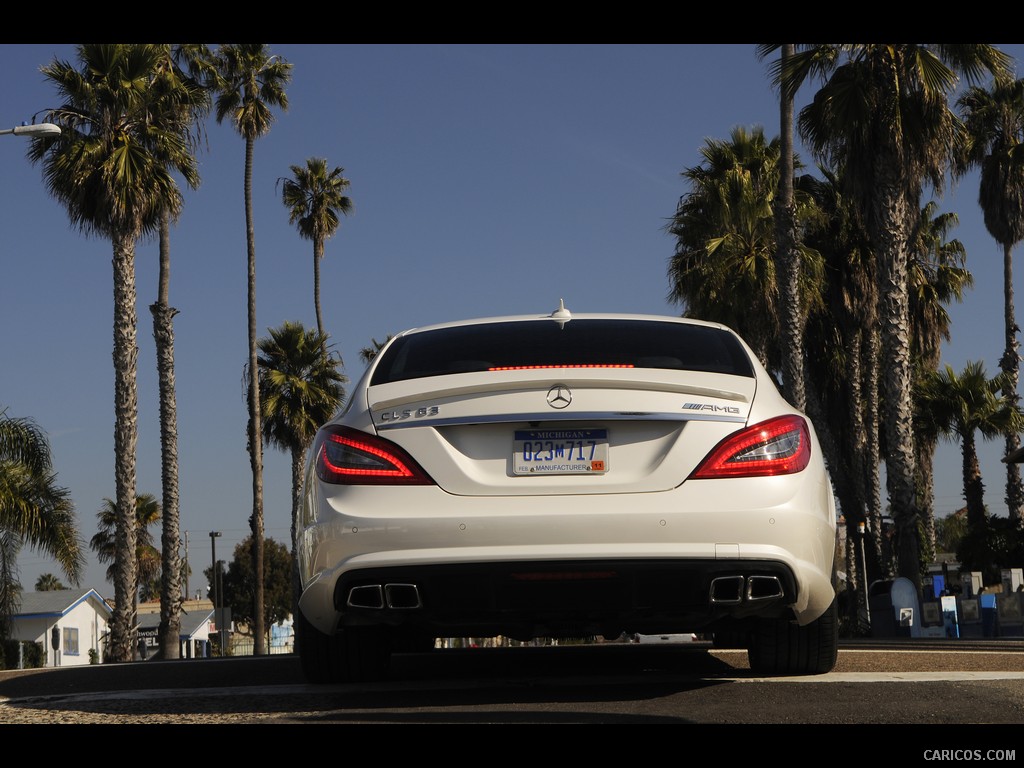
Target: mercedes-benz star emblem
559	396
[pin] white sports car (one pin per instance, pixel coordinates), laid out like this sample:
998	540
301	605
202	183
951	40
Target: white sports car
565	476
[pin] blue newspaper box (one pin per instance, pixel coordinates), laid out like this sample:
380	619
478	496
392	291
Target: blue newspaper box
989	617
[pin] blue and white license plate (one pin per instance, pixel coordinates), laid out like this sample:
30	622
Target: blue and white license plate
560	452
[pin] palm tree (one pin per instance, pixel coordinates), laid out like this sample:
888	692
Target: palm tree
33	510
249	82
842	373
314	198
995	128
366	354
959	406
111	167
883	115
724	267
787	254
148	512
950	531
182	73
937	276
47	582
301	388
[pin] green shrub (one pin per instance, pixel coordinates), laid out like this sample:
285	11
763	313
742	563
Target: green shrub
33	655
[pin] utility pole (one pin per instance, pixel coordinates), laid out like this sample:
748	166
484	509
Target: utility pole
213	583
862	530
186	566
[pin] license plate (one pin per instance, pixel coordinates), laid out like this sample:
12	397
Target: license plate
560	452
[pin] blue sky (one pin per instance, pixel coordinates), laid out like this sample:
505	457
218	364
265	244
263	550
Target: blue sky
486	179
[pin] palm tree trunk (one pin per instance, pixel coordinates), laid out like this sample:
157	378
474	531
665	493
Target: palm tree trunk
889	226
126	352
170	540
1010	363
255	421
974	489
857	575
873	451
318	254
926	489
298	463
789	258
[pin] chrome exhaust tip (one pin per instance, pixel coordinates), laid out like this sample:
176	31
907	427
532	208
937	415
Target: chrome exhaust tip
726	590
366	596
762	588
402	596
380	596
733	590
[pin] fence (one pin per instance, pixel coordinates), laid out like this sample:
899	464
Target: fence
243	646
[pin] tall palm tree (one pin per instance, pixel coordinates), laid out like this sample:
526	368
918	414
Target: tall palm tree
842	374
111	167
314	197
301	388
883	114
33	510
250	81
937	277
994	119
958	406
792	318
148	512
724	268
183	72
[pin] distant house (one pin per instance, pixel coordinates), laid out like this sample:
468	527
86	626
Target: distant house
68	623
194	637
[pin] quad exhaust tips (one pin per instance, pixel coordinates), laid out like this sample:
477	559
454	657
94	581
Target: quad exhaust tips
733	590
725	590
381	596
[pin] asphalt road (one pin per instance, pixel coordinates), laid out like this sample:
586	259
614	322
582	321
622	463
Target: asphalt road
931	684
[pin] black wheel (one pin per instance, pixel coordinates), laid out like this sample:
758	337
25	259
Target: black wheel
353	654
780	647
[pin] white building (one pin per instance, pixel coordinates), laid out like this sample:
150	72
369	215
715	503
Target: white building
68	623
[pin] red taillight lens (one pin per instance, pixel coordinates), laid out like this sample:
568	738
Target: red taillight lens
779	446
347	456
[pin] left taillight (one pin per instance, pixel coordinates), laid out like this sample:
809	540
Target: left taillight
346	456
779	446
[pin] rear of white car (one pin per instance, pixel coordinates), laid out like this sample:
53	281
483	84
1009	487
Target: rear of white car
565	476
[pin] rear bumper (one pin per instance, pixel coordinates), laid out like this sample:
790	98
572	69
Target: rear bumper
526	599
677	561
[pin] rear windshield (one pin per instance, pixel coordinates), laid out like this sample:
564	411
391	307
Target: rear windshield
580	343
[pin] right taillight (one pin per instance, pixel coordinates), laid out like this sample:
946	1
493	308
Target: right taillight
346	456
779	446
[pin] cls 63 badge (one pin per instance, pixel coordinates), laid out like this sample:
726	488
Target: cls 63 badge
409	413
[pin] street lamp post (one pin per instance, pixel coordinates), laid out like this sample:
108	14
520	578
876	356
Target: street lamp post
213	583
222	632
36	129
862	530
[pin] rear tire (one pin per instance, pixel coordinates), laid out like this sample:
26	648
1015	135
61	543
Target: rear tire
780	647
353	654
